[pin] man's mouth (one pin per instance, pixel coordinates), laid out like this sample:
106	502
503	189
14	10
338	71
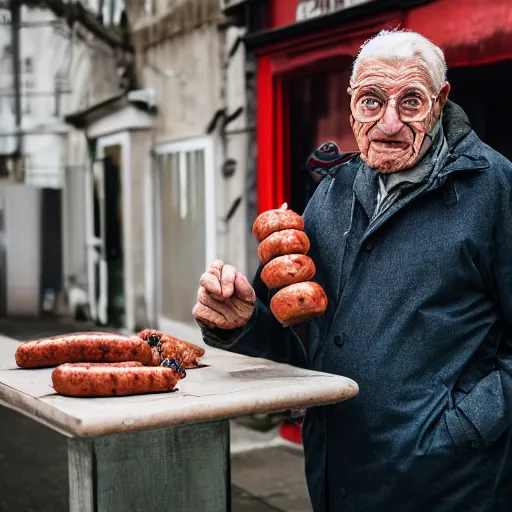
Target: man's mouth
386	145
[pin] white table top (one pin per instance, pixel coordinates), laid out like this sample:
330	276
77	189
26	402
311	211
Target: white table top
230	385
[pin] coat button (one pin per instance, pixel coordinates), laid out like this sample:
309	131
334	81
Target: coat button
343	493
368	247
338	340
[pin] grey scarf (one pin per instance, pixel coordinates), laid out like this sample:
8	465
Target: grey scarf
396	185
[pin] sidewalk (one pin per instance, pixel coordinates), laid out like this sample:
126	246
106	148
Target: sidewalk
267	472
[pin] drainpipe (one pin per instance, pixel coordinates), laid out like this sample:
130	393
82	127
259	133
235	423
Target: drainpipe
16	59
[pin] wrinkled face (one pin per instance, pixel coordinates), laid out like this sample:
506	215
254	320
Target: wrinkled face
393	107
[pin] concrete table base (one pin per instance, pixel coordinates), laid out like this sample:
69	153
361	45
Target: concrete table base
178	469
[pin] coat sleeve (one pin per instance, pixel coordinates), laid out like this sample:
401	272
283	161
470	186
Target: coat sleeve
485	413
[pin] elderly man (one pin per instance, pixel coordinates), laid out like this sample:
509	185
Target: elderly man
412	240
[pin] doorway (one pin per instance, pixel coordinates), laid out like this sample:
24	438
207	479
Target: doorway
106	248
480	91
114	236
319	110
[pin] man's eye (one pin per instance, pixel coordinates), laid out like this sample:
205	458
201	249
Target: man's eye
411	103
370	103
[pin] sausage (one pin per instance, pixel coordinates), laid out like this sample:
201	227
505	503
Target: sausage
288	241
165	346
124	364
286	270
298	303
115	379
276	220
83	347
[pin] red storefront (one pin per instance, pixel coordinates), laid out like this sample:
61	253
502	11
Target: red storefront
303	68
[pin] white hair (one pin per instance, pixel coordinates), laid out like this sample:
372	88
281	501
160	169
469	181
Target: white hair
399	45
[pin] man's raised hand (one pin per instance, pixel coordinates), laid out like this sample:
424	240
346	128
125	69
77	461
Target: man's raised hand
225	298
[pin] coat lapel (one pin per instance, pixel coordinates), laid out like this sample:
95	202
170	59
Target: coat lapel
365	188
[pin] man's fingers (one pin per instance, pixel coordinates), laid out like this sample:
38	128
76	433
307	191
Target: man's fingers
227	281
211	284
243	289
219	306
216	268
234	312
211	318
207	316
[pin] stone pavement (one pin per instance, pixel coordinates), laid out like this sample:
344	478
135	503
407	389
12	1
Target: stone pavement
267	472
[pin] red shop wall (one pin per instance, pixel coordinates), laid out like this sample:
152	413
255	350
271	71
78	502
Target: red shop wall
282	12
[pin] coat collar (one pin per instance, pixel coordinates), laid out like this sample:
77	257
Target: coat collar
463	147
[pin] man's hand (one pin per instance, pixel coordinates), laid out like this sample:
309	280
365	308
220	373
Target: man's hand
225	298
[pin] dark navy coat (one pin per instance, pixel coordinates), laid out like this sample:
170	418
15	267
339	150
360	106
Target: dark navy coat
420	316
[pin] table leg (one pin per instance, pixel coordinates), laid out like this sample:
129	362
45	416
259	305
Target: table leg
178	469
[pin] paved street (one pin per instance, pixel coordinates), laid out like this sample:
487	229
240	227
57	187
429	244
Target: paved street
267	473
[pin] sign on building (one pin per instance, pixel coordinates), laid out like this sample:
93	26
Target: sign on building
307	9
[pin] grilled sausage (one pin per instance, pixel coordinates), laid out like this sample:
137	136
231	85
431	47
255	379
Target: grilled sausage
280	243
298	303
83	347
286	270
165	346
276	220
115	379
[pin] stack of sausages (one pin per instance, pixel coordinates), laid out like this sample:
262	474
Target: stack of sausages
283	251
105	364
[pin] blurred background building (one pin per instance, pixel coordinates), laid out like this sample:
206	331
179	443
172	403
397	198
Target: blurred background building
139	139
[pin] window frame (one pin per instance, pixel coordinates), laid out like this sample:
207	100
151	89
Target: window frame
206	144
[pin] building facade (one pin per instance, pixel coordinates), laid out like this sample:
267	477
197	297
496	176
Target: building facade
195	204
53	60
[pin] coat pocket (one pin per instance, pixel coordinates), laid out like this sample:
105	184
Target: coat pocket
452	428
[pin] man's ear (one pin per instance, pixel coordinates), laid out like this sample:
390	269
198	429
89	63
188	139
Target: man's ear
443	94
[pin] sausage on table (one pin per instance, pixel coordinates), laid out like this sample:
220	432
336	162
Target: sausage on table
115	379
286	270
83	347
298	303
165	346
280	243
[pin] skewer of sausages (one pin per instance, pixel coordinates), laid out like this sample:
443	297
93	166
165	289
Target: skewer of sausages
115	379
282	250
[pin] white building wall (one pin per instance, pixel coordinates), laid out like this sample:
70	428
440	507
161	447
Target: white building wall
44	57
194	79
22	211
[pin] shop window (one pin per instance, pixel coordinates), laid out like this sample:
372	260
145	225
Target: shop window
482	92
185	224
319	111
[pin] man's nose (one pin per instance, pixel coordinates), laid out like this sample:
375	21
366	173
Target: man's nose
390	123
